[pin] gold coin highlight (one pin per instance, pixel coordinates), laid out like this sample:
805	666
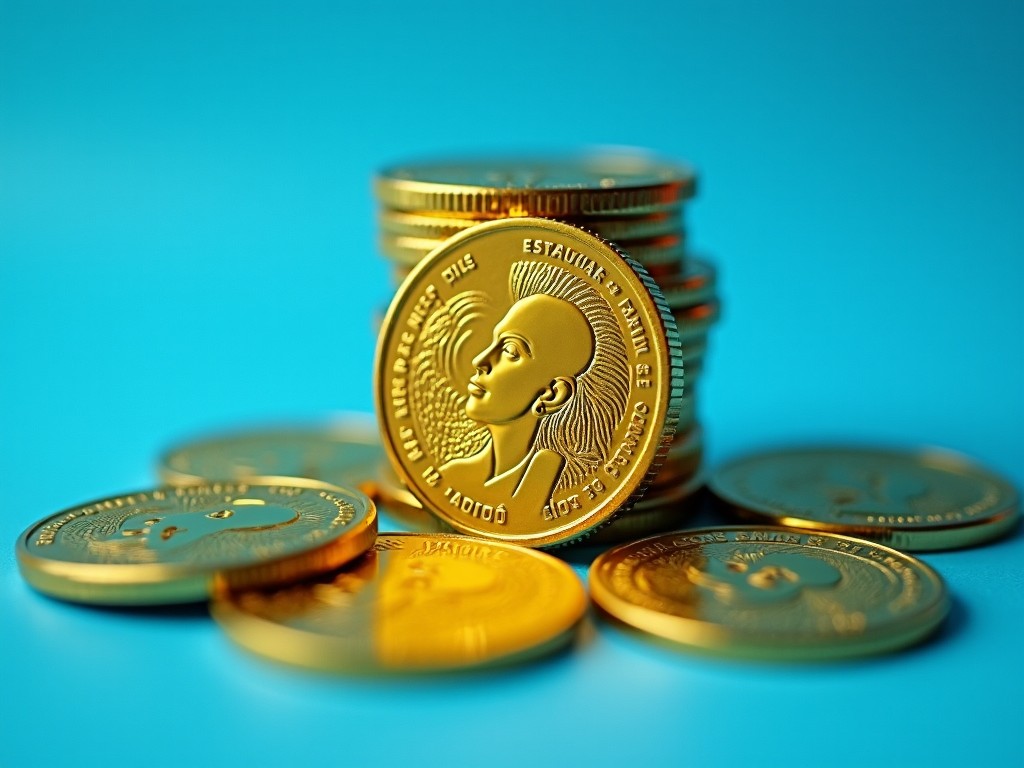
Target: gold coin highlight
414	603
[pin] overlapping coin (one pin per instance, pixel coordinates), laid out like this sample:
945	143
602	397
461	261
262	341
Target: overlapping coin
770	592
345	453
914	501
178	544
601	183
415	602
528	381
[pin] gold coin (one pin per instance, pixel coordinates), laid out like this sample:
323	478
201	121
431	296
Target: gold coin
345	454
595	184
394	500
659	510
406	251
770	593
415	602
440	228
660	255
528	381
175	545
694	286
694	352
688	407
914	501
657	252
694	323
683	460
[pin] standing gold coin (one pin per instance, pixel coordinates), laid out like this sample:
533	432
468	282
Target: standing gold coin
346	454
415	602
593	184
913	501
528	381
770	593
176	545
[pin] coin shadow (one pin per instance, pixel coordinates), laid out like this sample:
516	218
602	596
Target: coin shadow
173	612
266	675
955	623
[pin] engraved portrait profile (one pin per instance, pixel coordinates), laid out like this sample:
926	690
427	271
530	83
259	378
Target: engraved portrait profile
147	535
520	399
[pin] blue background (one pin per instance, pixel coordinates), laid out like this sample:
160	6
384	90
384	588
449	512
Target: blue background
187	243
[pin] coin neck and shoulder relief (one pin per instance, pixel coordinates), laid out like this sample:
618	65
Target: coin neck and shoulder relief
528	379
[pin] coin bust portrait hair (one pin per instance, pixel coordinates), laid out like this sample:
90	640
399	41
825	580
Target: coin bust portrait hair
548	384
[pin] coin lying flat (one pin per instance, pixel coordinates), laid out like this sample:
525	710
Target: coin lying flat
771	593
914	501
415	602
528	380
683	460
592	184
695	285
176	545
439	228
344	454
664	253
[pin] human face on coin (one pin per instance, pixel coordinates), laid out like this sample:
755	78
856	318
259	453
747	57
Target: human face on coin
539	339
178	528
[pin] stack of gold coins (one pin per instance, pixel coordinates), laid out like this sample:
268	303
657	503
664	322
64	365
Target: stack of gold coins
628	197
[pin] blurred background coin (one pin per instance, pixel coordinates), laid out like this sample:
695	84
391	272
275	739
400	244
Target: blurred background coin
415	602
916	501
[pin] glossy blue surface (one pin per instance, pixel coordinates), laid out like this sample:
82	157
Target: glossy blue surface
187	244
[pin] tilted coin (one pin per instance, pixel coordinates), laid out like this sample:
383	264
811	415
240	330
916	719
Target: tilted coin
415	602
914	501
177	544
591	184
345	454
772	593
528	380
